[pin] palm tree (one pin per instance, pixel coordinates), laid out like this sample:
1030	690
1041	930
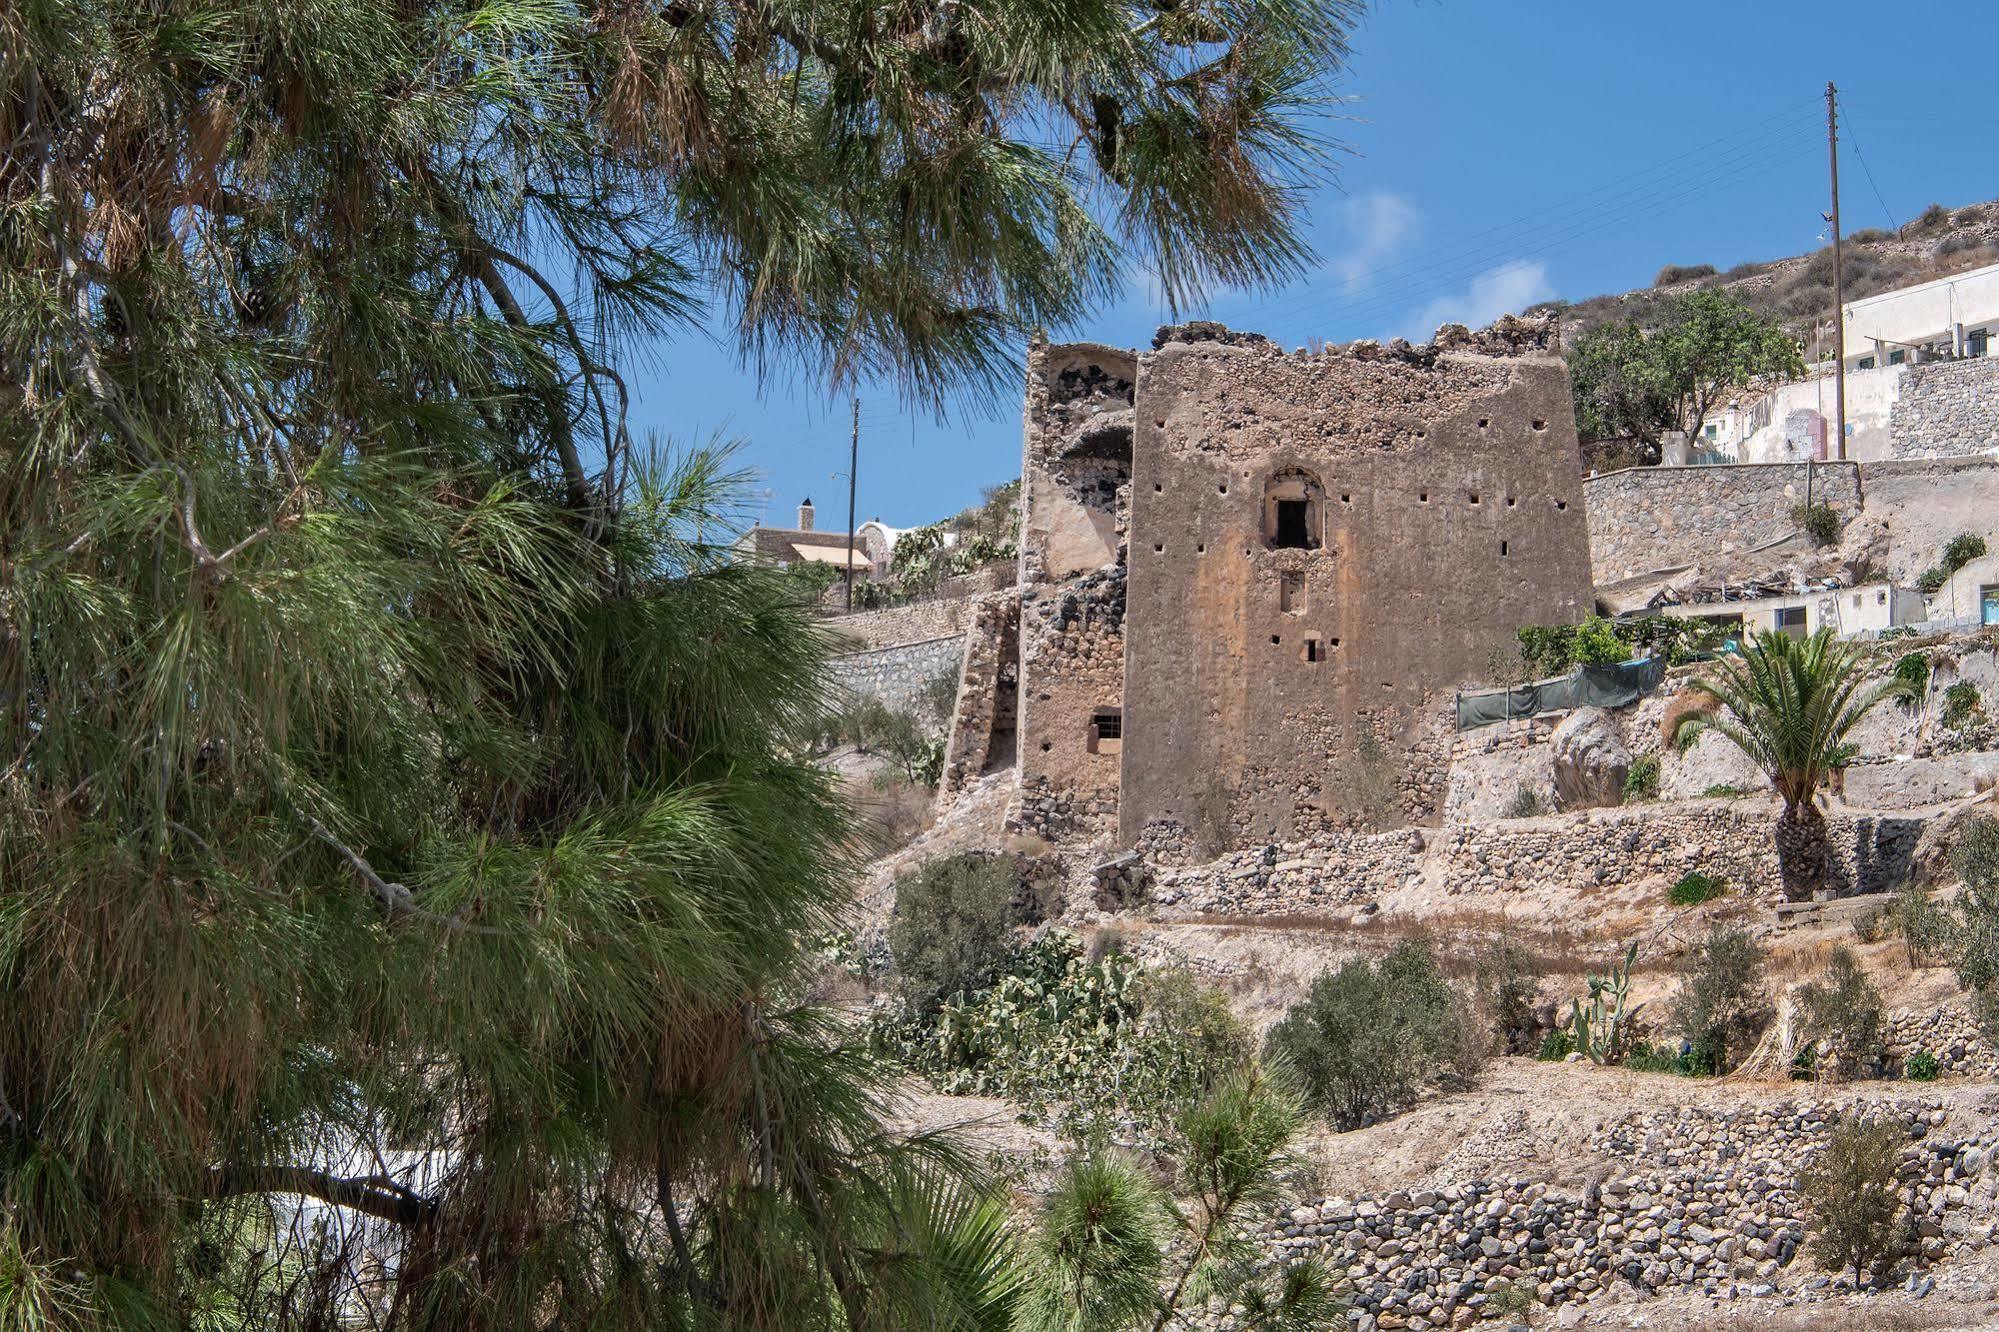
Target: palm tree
1791	705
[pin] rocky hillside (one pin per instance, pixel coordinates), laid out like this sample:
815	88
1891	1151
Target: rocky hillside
1799	290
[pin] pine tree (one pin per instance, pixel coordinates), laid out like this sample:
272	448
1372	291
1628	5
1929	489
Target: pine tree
404	862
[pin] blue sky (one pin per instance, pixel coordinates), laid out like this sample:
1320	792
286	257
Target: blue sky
1501	154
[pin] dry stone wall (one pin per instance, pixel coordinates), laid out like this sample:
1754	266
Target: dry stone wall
899	676
917	622
1697	1198
1646	519
1591	849
1946	408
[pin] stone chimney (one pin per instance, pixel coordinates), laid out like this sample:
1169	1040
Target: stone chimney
805	515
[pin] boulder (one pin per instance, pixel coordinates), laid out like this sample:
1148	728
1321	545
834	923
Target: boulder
1590	760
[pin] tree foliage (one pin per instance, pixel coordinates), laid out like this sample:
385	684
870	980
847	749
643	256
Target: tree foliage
1634	380
1369	1036
1853	1189
398	808
1791	705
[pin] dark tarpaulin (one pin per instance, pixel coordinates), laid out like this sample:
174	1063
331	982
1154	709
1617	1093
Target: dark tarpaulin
1584	687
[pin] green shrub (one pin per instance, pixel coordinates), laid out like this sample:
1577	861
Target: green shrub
1922	1066
1597	644
1853	1191
1720	1004
1841	1007
1695	888
1089	1041
1507	981
1974	856
1673	274
1962	706
1641	780
952	927
1370	1036
1928	931
1556	1046
1818	521
1723	791
1913	670
1524	805
1962	550
1931	580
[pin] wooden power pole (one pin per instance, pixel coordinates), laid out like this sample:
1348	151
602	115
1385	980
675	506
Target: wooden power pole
853	470
1838	268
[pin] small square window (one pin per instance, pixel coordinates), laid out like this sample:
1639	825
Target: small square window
1107	731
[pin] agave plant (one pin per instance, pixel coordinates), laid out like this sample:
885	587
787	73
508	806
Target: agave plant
1791	704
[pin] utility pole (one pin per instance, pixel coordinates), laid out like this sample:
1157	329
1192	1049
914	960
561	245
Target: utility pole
1838	267
853	470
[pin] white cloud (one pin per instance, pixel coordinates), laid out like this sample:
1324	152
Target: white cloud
1381	226
1508	289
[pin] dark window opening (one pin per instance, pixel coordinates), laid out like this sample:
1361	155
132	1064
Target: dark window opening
1291	593
1291	503
1106	731
1293	531
1314	650
1502	548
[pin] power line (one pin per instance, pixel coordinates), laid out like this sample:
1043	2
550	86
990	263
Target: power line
1854	139
1667	196
1642	182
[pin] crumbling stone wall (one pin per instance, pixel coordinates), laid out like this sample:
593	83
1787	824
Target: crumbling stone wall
988	704
1278	687
1592	849
1646	519
1946	408
1076	471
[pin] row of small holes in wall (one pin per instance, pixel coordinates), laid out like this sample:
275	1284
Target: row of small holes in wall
1422	497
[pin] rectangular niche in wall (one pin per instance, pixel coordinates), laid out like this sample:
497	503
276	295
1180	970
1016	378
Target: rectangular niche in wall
1291	593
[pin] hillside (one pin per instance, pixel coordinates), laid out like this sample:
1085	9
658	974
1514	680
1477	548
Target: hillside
1799	290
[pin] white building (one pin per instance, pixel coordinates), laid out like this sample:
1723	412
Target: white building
1946	318
1951	316
1849	610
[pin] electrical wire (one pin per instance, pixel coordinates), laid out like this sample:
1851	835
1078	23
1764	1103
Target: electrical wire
1854	139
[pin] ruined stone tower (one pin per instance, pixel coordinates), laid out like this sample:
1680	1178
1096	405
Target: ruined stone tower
1252	581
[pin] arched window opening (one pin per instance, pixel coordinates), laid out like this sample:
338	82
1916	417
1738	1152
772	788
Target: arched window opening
1293	511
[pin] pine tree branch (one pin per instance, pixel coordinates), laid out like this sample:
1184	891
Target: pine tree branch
397	897
371	1195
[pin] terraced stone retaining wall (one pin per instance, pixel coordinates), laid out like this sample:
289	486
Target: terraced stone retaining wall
1696	1198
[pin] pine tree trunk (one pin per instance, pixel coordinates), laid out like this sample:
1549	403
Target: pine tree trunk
1804	852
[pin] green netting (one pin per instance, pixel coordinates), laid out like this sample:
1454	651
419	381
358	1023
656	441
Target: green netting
1584	687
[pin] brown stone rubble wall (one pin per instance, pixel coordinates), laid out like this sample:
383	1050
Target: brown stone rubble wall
985	688
1075	469
1603	848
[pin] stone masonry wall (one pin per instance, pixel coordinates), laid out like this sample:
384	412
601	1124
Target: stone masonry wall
1285	683
1645	519
988	702
900	675
918	622
1696	1198
1946	408
1075	483
1593	848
